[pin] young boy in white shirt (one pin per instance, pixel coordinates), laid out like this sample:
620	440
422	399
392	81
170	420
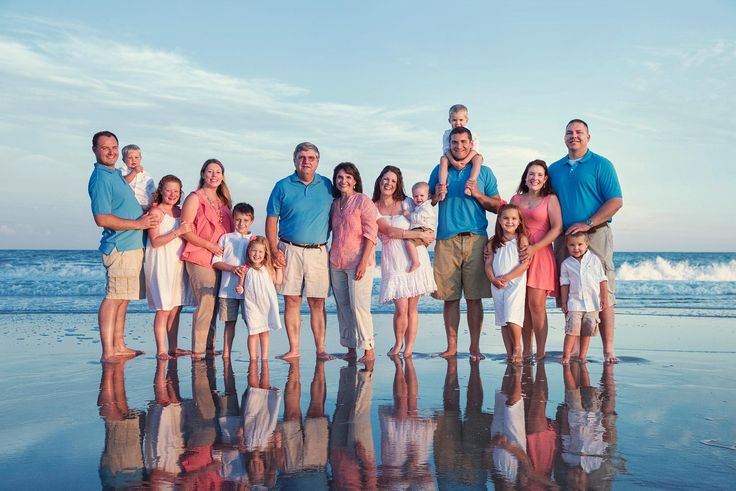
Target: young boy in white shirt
233	247
584	292
137	178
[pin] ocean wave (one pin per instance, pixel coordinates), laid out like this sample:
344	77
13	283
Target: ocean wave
661	269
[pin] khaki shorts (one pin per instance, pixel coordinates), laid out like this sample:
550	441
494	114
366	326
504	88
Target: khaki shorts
229	309
600	244
459	268
307	271
582	323
125	279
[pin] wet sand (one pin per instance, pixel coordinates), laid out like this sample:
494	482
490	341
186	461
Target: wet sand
667	407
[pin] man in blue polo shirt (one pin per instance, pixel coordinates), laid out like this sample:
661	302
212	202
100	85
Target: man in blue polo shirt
461	236
590	195
116	210
297	228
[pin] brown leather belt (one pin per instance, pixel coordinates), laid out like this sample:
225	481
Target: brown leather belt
465	234
592	230
303	246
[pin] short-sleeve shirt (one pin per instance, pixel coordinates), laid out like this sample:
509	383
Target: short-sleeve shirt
583	186
303	210
459	212
233	247
358	220
142	185
584	277
111	195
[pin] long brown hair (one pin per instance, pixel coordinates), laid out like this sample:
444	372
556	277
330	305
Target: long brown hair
546	188
267	261
222	190
498	241
399	194
158	195
350	169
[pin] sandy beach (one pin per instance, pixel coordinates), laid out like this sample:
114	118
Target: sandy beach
673	425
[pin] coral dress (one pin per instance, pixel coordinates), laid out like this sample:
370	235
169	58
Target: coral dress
542	272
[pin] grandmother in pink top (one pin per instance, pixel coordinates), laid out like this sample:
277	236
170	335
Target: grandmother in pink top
352	259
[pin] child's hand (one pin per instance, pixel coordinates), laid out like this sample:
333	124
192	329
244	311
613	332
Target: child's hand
184	227
239	289
499	282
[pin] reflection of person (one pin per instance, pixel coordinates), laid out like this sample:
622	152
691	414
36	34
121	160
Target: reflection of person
461	237
167	283
543	220
121	463
208	210
590	195
541	432
227	452
352	260
297	227
305	445
508	431
139	179
406	437
115	210
351	441
459	442
398	284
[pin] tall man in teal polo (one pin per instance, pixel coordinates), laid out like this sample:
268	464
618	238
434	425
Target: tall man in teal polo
297	228
116	210
461	236
590	195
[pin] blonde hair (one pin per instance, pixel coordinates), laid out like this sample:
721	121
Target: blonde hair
267	261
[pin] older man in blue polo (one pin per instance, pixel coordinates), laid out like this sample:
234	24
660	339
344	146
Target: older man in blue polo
590	195
297	228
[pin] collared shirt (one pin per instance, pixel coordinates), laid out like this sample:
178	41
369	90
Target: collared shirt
358	219
233	247
303	210
111	195
423	216
584	277
459	212
583	186
142	185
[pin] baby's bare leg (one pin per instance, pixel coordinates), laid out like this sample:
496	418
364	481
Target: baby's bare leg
411	250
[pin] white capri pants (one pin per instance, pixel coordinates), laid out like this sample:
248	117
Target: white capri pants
353	300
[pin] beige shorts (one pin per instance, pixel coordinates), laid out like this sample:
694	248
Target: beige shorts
601	244
125	279
582	323
459	268
307	271
230	309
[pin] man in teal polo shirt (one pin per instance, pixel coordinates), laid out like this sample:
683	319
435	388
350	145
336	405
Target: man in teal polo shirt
297	228
461	236
116	210
590	195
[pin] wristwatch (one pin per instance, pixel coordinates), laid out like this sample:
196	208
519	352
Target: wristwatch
589	222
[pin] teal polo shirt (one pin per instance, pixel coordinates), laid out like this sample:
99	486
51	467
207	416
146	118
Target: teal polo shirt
303	210
459	212
111	195
582	188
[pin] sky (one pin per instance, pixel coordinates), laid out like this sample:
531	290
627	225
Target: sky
370	83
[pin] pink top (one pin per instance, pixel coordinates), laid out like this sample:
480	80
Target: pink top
358	219
542	272
209	225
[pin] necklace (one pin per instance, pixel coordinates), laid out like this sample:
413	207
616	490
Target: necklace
216	204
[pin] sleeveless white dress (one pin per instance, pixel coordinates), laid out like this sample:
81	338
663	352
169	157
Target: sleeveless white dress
396	281
167	283
261	305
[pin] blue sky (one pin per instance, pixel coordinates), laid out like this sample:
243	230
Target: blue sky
370	83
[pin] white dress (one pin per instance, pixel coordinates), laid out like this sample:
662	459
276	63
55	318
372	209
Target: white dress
260	413
396	281
261	305
508	302
167	283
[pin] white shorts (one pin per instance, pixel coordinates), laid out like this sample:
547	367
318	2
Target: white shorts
509	302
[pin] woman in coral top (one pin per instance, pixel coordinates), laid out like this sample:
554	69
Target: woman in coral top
352	260
208	210
543	219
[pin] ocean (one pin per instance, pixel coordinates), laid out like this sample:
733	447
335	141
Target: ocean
649	283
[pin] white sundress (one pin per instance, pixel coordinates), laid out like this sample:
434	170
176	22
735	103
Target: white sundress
167	283
396	281
261	305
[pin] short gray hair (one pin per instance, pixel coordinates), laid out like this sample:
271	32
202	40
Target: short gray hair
304	146
128	148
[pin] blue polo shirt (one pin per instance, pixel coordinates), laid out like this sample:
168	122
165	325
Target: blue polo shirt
303	210
584	186
111	195
459	212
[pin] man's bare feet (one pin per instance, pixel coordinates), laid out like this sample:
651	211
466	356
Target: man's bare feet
180	352
288	355
610	358
350	355
324	356
369	355
448	353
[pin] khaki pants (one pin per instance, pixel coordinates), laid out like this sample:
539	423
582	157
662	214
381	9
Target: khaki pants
353	300
205	282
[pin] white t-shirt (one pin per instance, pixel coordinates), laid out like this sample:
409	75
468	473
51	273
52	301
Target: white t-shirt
142	185
584	277
233	247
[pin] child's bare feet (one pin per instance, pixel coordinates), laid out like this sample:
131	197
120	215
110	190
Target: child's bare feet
610	358
442	193
468	189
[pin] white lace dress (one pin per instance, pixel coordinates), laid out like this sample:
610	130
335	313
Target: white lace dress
396	281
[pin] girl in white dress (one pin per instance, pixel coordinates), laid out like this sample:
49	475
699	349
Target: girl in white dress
167	284
260	303
508	278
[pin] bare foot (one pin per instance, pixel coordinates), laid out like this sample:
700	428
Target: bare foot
529	359
394	351
407	354
128	352
448	353
477	356
350	355
610	358
197	356
565	360
114	359
413	267
212	352
164	356
541	356
288	355
324	356
180	352
369	355
582	360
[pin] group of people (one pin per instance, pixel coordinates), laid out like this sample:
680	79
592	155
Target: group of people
204	250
